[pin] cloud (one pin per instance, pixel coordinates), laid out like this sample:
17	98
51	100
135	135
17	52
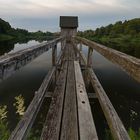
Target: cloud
36	14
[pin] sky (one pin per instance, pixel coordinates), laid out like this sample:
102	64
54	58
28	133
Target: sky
44	15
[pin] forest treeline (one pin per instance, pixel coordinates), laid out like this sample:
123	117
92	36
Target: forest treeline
8	33
122	36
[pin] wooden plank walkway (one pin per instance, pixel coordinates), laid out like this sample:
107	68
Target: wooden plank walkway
117	128
69	129
70	116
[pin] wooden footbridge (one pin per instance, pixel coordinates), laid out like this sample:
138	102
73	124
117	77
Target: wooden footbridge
69	116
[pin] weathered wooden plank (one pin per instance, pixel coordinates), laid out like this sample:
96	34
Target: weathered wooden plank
80	49
27	120
129	64
80	54
54	55
89	59
69	129
51	130
10	63
87	129
114	122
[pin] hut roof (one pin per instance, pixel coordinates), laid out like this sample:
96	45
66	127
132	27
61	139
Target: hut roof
68	21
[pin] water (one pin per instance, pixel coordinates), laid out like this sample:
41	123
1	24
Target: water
24	82
123	91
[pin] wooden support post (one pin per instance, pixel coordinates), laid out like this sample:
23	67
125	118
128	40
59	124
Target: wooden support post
54	55
76	55
117	128
80	49
80	46
62	44
89	60
89	65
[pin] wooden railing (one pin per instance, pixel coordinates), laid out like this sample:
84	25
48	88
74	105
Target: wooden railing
116	126
10	63
129	64
22	129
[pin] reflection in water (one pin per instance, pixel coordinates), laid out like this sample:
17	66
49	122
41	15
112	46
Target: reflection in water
19	104
22	46
13	46
5	47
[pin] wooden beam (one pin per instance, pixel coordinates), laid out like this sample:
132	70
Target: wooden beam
129	64
80	49
54	55
51	129
10	63
87	129
117	128
89	59
80	54
69	129
27	120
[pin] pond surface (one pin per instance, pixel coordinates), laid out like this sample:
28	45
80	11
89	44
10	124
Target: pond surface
17	91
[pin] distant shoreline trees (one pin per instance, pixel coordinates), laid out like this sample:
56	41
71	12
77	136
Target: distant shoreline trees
122	36
9	33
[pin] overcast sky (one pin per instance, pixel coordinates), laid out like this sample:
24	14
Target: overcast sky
44	14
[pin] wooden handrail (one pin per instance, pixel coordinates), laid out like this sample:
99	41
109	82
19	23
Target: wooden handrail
129	64
117	128
10	63
22	129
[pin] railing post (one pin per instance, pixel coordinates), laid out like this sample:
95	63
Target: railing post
54	55
62	44
80	49
76	54
89	60
89	65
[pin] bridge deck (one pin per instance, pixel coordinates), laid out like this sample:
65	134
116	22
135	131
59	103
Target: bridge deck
69	116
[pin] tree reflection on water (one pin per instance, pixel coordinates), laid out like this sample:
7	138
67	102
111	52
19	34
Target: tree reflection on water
6	46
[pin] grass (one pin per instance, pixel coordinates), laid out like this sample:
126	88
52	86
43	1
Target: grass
133	134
